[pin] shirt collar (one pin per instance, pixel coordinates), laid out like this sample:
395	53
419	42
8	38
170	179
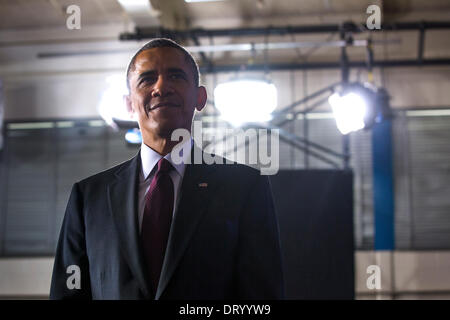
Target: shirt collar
150	158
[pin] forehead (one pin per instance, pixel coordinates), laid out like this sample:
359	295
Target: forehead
161	59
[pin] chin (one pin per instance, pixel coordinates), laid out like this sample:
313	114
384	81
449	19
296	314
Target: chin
165	131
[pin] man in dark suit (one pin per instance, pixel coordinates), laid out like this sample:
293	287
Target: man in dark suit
152	228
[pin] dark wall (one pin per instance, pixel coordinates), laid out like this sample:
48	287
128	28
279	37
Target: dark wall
315	212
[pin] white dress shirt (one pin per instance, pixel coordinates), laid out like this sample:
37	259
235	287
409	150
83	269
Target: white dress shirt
149	160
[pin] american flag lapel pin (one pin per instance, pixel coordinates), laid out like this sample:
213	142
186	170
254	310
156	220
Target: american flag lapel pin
203	185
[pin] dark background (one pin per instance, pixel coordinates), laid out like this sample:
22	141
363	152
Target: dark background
315	214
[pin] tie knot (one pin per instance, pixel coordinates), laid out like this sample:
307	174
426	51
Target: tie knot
164	166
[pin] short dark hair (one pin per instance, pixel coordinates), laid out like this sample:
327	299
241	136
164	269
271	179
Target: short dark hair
164	43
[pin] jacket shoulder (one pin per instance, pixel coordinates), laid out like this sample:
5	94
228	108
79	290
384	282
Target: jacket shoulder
108	174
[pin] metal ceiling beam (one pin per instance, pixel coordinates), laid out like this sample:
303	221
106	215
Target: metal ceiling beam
205	59
201	49
147	33
284	45
324	65
421	45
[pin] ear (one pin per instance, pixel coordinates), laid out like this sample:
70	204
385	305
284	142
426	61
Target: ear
202	96
127	100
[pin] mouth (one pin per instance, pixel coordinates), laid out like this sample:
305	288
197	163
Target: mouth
163	105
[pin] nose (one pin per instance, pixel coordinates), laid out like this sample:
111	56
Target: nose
162	87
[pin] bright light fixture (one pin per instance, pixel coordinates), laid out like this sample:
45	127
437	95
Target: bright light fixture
241	101
133	136
191	1
112	105
349	111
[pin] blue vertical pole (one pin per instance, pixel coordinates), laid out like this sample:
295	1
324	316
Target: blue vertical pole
383	188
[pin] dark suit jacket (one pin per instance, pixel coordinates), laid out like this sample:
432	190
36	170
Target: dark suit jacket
223	243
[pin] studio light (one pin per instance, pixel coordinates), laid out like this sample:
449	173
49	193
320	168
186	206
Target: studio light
245	100
112	105
358	107
349	111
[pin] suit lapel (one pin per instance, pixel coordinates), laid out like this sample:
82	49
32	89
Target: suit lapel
196	190
123	199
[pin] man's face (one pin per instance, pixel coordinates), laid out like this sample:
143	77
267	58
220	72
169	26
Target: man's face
163	93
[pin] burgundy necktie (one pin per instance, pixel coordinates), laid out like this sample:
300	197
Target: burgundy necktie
157	220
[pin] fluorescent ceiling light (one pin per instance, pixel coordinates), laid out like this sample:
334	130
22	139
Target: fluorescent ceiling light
349	111
242	101
112	104
192	1
135	3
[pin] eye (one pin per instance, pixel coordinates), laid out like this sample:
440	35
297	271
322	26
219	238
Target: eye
147	80
177	76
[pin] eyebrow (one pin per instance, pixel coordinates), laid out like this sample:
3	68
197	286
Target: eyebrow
153	72
177	70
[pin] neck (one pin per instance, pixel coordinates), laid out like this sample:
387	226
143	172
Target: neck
161	145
